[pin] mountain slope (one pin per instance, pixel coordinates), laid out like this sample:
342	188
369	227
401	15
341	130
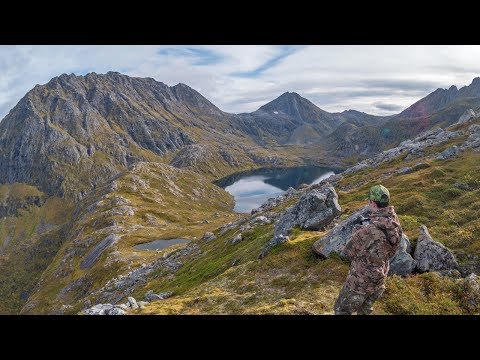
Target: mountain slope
70	135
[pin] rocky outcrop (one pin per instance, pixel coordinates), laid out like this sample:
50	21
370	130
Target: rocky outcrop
430	255
237	239
313	211
448	153
151	296
336	239
209	236
124	285
402	263
91	258
104	309
467	115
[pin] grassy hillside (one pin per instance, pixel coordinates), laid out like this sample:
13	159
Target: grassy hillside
28	242
229	279
150	202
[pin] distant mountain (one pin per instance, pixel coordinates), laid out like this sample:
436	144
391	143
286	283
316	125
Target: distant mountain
441	108
76	132
441	99
292	119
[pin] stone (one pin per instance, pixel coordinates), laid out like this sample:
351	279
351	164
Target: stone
115	311
336	239
260	220
276	240
313	211
448	153
237	239
132	302
141	304
470	289
402	263
151	296
467	115
430	255
100	309
209	236
290	190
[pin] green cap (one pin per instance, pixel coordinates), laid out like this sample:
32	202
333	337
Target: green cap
379	194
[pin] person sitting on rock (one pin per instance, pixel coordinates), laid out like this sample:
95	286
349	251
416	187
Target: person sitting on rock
371	246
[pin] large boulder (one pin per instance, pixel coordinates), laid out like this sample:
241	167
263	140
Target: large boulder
313	211
430	255
336	239
402	262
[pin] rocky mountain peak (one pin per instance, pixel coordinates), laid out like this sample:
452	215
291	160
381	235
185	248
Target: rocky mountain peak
190	96
292	104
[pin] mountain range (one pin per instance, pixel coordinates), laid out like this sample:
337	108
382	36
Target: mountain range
98	125
92	165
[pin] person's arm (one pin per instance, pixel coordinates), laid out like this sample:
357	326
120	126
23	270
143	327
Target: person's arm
352	246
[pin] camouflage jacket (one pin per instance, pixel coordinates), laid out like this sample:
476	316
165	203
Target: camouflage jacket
370	248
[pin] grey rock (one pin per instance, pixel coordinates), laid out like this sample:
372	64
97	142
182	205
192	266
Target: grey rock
132	302
430	255
115	311
472	276
467	115
336	239
209	236
276	240
151	296
100	309
237	239
291	190
462	186
448	153
245	227
404	170
402	263
91	258
122	306
260	220
313	211
141	304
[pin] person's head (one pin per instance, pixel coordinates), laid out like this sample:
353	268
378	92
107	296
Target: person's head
379	197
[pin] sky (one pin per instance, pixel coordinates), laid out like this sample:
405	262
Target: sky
379	80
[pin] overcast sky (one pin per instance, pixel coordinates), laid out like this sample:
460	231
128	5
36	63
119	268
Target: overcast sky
379	80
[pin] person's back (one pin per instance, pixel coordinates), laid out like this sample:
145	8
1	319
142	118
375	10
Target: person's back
371	246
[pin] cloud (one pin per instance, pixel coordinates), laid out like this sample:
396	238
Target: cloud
240	78
388	107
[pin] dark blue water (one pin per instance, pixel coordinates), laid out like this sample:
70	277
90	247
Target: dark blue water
251	189
160	244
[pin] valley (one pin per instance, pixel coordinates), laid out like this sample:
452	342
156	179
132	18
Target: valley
97	170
